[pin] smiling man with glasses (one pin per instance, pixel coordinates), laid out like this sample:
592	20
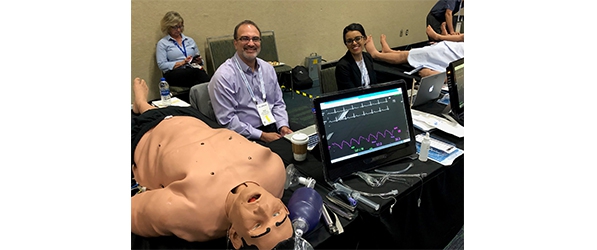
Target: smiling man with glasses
245	93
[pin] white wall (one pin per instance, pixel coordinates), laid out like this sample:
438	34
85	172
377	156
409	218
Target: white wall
301	26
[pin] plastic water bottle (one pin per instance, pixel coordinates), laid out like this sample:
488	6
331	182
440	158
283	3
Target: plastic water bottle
424	151
165	92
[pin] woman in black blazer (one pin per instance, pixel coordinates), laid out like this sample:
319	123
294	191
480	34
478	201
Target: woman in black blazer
355	68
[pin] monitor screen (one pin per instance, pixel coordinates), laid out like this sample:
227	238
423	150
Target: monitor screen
455	75
364	128
459	76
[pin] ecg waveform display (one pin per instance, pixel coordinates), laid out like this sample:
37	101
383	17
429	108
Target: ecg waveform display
373	139
354	111
365	126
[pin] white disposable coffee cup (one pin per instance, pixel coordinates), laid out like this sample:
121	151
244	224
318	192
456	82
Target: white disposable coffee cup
299	146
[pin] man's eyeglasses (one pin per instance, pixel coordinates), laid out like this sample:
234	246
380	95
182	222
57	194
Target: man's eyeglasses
356	39
246	39
177	27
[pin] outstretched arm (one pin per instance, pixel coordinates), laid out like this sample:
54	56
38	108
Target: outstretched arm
449	21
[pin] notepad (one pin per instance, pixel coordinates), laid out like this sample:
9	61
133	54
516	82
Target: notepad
174	101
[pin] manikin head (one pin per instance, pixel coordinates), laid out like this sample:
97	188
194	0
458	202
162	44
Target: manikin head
258	218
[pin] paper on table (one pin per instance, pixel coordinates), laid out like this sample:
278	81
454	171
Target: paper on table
174	101
440	156
445	100
437	122
445	88
422	125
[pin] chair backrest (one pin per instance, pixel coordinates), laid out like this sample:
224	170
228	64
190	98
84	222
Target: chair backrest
269	50
221	48
328	77
199	98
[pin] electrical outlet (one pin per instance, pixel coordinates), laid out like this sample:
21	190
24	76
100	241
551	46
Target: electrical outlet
458	25
400	33
406	33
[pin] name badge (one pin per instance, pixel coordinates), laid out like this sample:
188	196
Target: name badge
265	113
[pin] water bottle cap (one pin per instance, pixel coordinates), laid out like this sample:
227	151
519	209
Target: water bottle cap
163	79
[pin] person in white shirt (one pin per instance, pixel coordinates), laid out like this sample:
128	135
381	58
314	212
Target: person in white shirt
432	59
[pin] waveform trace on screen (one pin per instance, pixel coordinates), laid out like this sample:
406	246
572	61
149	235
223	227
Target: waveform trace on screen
372	138
354	111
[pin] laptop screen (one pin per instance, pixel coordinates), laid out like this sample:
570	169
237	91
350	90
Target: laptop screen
455	75
365	128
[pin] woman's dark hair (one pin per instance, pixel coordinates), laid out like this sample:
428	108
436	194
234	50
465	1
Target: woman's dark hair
353	26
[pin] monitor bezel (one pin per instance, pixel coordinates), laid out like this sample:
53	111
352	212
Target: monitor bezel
333	171
453	86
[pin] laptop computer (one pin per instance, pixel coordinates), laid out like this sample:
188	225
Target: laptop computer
364	128
455	79
311	132
430	89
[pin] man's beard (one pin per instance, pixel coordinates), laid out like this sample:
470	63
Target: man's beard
251	56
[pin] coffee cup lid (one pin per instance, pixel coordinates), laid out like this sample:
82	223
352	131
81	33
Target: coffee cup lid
300	137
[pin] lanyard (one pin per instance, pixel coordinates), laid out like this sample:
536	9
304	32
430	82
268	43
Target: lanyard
181	49
242	74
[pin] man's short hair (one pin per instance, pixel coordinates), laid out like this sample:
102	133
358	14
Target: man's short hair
245	22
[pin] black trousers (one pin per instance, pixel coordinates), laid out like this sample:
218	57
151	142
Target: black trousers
142	123
436	23
186	77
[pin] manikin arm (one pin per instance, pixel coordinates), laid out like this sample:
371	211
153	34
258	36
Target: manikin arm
165	212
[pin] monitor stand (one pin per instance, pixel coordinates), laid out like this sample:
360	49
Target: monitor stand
447	112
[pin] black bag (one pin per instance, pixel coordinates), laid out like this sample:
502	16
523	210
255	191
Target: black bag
300	78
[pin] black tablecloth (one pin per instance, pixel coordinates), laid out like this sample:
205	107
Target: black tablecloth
431	225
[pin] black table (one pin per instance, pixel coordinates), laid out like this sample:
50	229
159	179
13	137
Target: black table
431	225
388	72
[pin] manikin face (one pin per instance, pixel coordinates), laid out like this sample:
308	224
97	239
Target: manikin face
354	42
245	44
257	217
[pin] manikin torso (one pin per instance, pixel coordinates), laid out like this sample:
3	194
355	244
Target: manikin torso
189	169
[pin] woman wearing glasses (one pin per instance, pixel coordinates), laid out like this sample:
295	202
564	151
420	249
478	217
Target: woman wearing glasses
177	55
355	68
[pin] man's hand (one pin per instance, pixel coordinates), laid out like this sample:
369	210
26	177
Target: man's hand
270	136
284	130
424	72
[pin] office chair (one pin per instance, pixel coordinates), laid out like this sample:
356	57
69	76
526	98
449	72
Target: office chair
199	99
220	49
328	77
